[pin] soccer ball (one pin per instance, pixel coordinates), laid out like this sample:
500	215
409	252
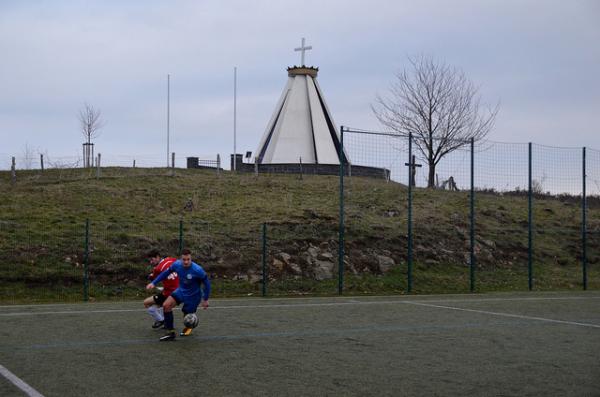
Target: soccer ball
190	320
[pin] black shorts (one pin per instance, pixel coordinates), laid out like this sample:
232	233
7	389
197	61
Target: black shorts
159	299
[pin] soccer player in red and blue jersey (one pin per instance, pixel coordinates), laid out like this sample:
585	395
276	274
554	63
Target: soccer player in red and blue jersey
154	303
194	290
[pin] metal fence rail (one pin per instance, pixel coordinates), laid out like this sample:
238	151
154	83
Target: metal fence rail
511	212
489	171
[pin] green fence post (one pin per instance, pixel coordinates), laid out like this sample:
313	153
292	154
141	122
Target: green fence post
341	231
86	256
584	226
180	236
264	259
472	204
530	227
410	236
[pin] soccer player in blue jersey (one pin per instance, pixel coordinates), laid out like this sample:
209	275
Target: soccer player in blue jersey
190	292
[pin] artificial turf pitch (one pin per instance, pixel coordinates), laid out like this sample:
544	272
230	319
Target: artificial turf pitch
478	345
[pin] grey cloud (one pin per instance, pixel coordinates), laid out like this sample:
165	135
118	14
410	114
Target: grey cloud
540	58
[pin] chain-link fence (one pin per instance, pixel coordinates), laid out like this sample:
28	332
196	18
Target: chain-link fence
41	260
300	258
501	221
491	216
47	168
484	216
375	215
99	260
592	246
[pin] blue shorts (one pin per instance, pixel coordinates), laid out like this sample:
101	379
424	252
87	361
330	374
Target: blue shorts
190	303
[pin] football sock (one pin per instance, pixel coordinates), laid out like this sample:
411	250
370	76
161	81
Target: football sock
169	320
160	314
153	311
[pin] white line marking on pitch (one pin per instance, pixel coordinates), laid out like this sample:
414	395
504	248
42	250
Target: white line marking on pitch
549	320
345	298
521	299
276	306
349	302
30	391
17	314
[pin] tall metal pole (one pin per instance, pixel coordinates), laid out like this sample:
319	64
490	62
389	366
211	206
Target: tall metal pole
234	117
584	227
530	227
168	114
472	267
341	226
410	236
264	259
86	262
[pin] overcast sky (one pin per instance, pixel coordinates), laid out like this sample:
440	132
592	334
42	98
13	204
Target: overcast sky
539	59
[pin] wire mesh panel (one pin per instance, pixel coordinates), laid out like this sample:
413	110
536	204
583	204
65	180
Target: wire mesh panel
31	169
301	234
118	267
220	217
441	221
45	168
380	150
41	260
301	258
557	185
230	254
197	236
501	217
593	217
375	236
375	210
35	161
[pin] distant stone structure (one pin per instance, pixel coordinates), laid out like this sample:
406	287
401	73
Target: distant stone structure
301	136
309	169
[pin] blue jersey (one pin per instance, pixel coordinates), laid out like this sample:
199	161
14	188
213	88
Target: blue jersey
190	279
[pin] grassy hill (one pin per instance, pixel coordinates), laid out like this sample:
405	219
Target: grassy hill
43	221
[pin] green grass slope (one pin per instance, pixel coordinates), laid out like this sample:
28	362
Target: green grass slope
220	217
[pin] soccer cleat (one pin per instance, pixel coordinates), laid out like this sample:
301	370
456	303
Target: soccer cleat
168	336
158	324
186	332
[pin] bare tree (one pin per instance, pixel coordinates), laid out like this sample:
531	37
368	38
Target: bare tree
28	156
91	123
438	105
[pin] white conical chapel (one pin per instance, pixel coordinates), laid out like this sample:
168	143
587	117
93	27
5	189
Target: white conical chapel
301	128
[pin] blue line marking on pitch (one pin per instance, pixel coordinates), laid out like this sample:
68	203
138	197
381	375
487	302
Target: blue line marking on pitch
259	335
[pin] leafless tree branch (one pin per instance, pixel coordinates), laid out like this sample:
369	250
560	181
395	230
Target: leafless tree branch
438	105
90	122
